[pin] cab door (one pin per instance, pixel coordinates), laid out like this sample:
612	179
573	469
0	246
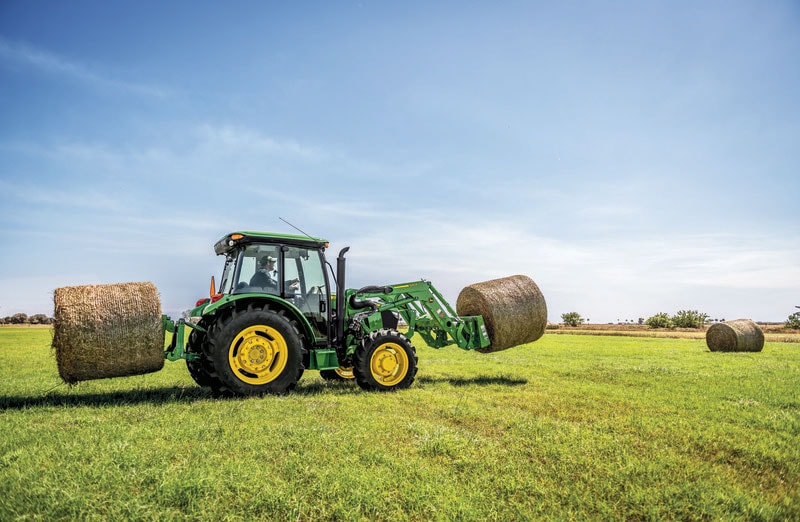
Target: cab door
306	286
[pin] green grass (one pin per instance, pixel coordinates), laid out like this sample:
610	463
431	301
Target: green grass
571	427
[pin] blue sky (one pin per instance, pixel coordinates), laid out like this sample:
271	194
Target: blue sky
631	157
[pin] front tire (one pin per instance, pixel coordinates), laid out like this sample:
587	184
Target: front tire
386	360
256	351
342	373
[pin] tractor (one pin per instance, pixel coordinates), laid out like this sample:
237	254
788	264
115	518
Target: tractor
281	309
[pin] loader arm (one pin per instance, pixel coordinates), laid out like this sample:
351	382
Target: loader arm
425	312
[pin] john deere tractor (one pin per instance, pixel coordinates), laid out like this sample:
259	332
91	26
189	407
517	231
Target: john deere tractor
281	309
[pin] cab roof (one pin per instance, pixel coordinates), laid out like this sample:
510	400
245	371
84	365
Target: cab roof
235	239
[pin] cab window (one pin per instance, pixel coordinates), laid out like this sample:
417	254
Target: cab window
258	270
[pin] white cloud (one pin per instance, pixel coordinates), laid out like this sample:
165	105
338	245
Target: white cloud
57	65
88	199
605	279
232	139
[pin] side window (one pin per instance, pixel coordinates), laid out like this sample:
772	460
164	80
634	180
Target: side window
258	269
248	268
225	282
309	266
291	270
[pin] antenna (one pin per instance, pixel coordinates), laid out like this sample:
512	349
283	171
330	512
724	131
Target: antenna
294	227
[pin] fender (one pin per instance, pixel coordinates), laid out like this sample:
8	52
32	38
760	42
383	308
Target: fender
275	302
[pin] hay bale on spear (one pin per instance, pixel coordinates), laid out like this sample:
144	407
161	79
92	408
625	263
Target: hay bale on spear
513	310
741	335
105	331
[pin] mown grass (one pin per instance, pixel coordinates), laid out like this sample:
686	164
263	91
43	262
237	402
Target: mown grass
569	428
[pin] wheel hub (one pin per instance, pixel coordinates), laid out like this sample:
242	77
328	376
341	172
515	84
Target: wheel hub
389	364
255	353
258	354
386	363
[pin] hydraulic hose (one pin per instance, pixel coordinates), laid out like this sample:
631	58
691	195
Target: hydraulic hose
358	305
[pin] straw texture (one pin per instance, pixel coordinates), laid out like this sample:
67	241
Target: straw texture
513	310
741	335
107	331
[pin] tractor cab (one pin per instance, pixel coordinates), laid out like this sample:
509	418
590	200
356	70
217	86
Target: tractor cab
288	267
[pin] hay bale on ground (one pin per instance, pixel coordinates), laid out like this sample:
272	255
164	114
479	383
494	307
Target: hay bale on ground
107	331
741	335
513	310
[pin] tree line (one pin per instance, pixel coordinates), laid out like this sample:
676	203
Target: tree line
682	319
26	319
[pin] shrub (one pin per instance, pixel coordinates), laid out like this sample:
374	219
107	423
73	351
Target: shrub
689	319
660	320
793	321
572	319
19	318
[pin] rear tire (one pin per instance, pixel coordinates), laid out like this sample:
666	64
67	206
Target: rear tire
199	369
255	351
386	360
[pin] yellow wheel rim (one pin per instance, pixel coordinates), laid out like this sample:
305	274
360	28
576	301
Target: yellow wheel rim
258	354
389	364
345	372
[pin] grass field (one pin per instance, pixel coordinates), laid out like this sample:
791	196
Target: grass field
572	427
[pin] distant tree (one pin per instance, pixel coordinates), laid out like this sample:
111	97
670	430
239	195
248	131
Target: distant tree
641	320
19	318
39	319
793	321
660	320
689	319
572	319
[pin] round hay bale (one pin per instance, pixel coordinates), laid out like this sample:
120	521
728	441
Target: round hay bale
741	335
513	310
105	331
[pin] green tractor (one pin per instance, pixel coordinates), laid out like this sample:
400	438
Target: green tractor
281	309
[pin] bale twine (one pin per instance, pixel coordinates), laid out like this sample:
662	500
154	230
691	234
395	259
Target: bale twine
741	335
513	310
107	331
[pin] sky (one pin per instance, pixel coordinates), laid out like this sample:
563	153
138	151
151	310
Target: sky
630	157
